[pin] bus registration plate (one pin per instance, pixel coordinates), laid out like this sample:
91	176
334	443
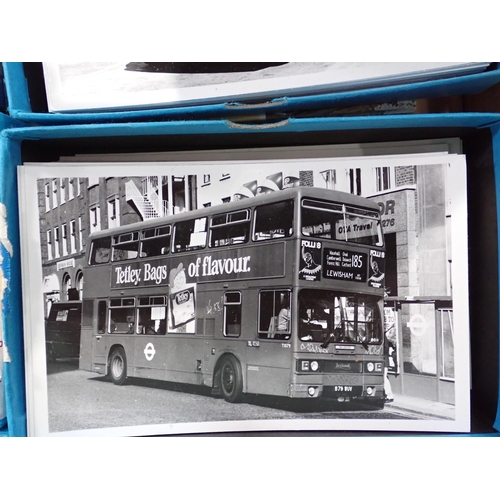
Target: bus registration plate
343	388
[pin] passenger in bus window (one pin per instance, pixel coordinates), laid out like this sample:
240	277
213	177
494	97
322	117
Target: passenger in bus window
130	322
101	255
284	315
304	322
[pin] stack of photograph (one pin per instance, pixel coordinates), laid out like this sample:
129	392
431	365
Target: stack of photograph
308	288
249	249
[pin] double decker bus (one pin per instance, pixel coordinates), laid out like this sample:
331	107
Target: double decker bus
281	294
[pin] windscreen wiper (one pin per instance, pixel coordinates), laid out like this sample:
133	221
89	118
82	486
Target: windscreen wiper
328	338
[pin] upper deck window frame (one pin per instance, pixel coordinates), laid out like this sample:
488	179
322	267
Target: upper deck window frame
345	211
128	242
158	238
233	228
266	222
198	229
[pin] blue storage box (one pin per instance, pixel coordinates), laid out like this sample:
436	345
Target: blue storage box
29	135
480	132
19	100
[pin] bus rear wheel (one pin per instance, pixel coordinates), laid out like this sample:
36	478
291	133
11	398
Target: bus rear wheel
118	366
231	380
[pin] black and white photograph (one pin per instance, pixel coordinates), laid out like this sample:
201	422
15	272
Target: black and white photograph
249	295
79	86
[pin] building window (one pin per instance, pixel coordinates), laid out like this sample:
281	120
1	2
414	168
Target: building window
355	181
447	354
54	193
382	178
80	234
206	179
226	200
72	236
63	190
47	197
64	229
49	245
419	339
95	218
330	178
56	243
113	212
71	189
79	284
92	181
66	286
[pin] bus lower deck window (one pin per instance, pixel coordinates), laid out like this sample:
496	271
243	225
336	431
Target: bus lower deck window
275	314
121	315
152	316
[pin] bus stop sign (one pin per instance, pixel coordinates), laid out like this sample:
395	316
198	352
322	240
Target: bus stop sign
417	325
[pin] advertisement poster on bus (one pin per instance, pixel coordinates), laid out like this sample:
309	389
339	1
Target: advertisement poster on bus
210	305
310	264
182	301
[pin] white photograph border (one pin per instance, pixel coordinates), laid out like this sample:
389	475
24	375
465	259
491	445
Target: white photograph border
36	378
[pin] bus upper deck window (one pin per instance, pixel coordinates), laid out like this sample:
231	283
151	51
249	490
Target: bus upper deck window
273	221
190	234
155	241
230	229
125	246
101	250
335	221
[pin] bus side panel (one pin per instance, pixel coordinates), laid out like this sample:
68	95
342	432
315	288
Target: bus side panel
211	313
268	368
86	349
150	355
162	359
87	334
185	361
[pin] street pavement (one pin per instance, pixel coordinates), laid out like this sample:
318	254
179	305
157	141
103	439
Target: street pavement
423	407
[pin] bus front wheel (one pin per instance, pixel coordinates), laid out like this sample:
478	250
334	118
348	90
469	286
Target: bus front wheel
118	366
231	380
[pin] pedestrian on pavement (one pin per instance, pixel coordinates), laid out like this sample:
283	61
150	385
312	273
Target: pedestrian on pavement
389	362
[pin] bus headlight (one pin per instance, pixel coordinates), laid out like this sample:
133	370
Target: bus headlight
305	365
311	391
370	366
314	366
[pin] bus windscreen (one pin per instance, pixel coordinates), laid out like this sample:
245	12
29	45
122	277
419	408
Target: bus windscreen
336	221
327	316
